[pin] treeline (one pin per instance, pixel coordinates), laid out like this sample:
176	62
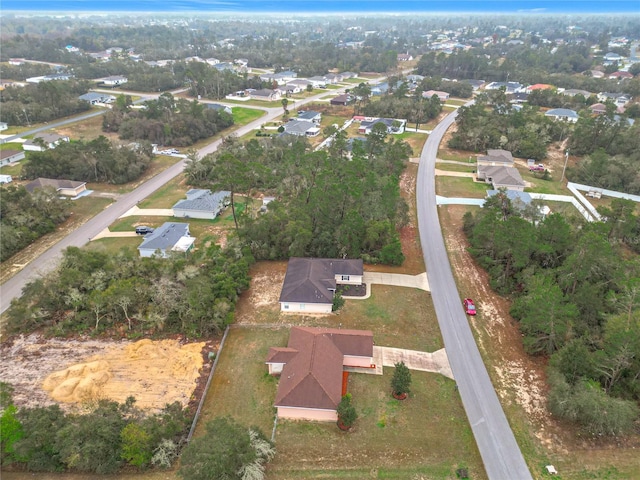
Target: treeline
492	122
92	291
42	102
166	121
315	215
414	109
24	71
110	437
96	160
25	217
575	297
208	82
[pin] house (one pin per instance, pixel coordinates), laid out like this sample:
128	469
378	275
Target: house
68	188
310	283
265	204
5	179
310	116
266	95
17	61
342	100
598	108
475	84
288	90
501	177
572	92
347	75
620	99
539	86
95	98
42	141
219	108
404	57
518	97
519	200
619	75
10	156
301	128
114	80
4	126
301	84
333	78
280	78
313	370
318	81
202	204
443	96
212	61
222	66
509	87
562	114
495	157
169	237
393	125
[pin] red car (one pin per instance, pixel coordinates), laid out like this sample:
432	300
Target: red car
469	307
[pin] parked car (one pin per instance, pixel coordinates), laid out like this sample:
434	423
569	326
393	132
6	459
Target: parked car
469	306
537	168
143	230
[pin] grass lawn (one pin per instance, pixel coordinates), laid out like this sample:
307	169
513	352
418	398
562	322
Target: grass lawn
13	170
454	167
242	116
461	187
415	140
113	246
167	195
458	155
456	101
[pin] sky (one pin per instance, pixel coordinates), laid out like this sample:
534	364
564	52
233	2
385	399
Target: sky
326	6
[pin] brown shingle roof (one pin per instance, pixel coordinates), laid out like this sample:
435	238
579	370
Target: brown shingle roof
312	378
51	182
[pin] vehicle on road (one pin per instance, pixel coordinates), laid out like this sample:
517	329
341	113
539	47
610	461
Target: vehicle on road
469	306
143	230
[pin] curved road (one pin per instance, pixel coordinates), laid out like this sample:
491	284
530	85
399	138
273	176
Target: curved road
500	452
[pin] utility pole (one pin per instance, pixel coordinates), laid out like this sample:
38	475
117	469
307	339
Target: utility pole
566	159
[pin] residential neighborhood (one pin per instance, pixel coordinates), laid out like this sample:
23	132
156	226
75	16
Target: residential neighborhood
353	246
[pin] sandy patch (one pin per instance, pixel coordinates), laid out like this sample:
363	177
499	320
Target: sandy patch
70	372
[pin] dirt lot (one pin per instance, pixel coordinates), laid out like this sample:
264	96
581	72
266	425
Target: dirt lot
72	372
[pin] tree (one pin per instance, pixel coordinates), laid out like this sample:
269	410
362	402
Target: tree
227	450
230	173
347	414
136	445
401	380
285	102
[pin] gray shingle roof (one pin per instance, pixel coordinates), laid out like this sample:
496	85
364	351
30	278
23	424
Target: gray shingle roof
165	236
203	200
501	176
312	280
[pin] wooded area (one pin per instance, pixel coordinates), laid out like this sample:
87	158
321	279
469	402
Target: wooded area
576	296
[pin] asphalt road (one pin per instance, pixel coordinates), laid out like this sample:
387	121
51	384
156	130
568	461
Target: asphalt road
500	452
12	288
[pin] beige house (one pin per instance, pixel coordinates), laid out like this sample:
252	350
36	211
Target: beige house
501	177
68	188
495	157
310	283
312	370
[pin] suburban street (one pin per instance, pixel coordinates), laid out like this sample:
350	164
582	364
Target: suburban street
12	288
500	452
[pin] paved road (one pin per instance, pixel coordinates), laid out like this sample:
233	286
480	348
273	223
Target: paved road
12	288
500	452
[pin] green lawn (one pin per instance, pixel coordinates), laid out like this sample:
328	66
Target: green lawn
461	187
460	156
454	167
167	195
13	170
242	116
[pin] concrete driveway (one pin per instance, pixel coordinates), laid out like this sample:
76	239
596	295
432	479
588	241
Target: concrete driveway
435	362
396	279
150	212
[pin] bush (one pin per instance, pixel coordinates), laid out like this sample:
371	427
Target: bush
401	380
338	302
347	414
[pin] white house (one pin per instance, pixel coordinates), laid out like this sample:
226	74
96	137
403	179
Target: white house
202	204
310	283
42	141
562	114
114	80
167	239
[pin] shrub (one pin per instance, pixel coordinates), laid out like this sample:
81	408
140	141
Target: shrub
347	414
401	380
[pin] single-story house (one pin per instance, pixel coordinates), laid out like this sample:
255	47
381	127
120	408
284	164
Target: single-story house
95	97
518	97
4	126
301	128
620	75
219	108
17	61
392	127
266	94
318	81
334	77
114	80
299	83
347	75
475	84
279	78
620	99
202	204
404	57
598	108
169	237
501	177
10	156
596	73
539	86
310	116
310	283
612	57
312	370
342	100
496	157
509	87
6	178
42	141
572	92
68	188
443	96
288	90
562	114
519	200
